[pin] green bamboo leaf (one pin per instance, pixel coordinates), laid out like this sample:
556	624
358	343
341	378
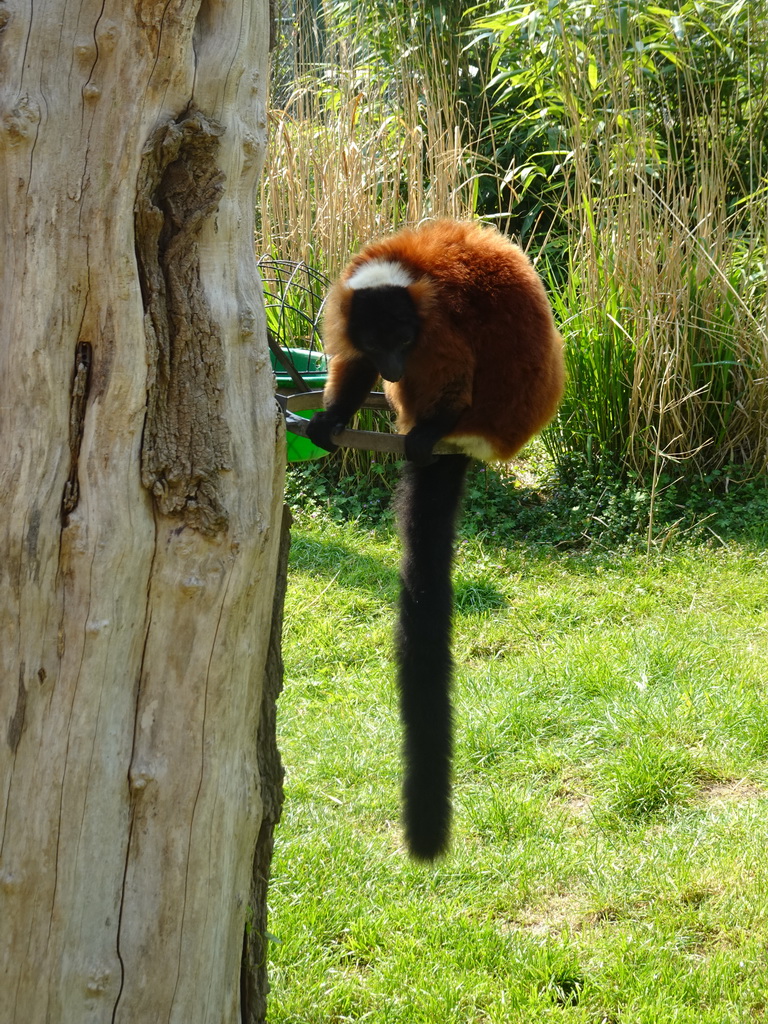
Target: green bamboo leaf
592	75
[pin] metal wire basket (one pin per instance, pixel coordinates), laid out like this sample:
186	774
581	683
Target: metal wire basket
294	296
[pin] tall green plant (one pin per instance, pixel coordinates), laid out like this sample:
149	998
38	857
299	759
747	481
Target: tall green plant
671	64
656	180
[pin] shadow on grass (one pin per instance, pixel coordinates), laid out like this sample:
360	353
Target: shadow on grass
356	568
579	524
594	514
344	564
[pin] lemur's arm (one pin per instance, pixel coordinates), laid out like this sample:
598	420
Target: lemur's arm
350	381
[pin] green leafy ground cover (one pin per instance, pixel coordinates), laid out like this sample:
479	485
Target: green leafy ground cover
611	804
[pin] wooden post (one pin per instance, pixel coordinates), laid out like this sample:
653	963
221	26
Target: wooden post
141	472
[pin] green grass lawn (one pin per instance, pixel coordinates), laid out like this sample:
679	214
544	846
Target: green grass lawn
611	791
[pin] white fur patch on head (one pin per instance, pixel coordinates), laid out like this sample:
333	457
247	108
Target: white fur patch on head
379	274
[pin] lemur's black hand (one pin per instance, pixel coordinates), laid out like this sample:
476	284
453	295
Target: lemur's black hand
321	429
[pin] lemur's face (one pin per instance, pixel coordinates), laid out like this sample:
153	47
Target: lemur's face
384	326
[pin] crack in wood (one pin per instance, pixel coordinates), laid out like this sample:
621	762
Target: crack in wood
81	383
185	447
16	724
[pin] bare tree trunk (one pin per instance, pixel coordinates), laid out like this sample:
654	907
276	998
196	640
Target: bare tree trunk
141	480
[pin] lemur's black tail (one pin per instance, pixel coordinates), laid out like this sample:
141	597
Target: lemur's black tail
429	498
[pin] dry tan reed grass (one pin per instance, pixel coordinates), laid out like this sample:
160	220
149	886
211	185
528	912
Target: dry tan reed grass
358	158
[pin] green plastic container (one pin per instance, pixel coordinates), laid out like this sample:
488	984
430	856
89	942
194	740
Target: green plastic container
313	369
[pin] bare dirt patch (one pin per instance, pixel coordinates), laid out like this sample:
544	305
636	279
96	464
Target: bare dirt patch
732	791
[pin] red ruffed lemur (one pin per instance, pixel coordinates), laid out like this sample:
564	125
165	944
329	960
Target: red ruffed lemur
456	321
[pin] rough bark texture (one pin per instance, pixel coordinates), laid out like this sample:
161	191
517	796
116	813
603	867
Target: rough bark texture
255	985
186	442
134	617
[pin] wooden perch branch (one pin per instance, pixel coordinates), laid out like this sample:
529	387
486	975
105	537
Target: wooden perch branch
366	440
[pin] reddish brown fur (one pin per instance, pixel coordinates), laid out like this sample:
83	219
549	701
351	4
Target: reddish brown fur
488	340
